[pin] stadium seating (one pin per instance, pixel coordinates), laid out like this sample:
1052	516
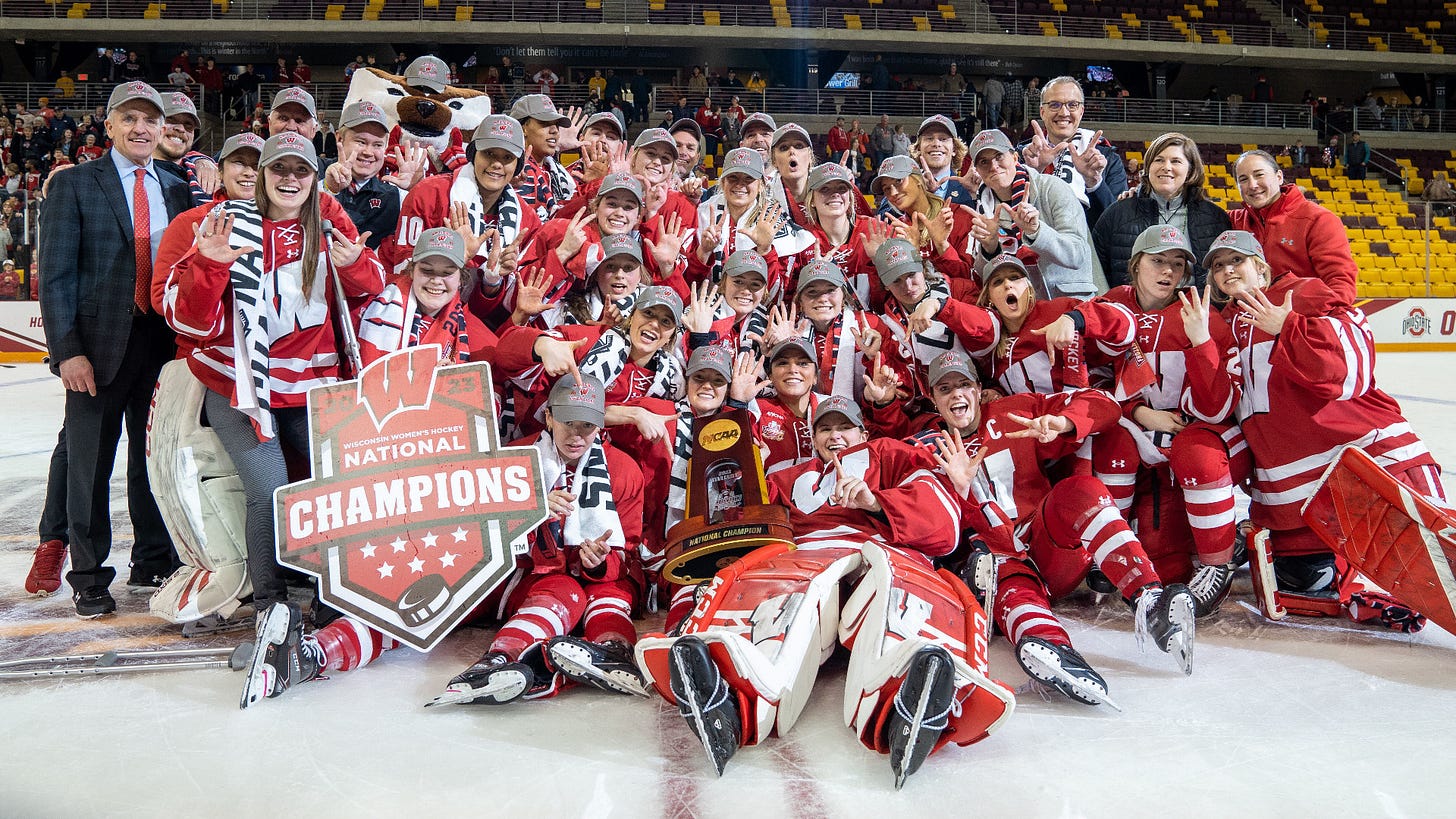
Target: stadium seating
1380	25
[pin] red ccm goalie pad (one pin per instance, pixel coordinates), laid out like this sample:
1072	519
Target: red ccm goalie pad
1389	532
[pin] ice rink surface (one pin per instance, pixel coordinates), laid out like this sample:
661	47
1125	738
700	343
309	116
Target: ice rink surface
1309	718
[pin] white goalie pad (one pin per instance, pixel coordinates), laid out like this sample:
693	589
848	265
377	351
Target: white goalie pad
201	500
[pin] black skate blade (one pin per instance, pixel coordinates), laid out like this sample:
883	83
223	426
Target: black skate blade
1052	675
694	710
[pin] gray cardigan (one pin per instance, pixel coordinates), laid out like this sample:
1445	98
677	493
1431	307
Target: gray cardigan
1063	244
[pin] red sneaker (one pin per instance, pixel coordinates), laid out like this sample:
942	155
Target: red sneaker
45	570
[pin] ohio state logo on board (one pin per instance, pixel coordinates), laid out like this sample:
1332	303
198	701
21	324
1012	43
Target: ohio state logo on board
1416	324
416	512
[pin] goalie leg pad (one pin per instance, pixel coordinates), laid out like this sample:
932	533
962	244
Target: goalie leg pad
201	501
768	622
899	607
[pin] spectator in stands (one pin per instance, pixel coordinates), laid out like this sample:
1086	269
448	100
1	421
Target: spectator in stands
1298	234
1357	156
756	83
248	83
401	62
732	82
1014	106
1061	147
88	149
132	68
902	142
641	96
354	65
453	75
1297	153
882	141
65	86
733	117
210	78
302	73
517	75
836	142
182	62
879	76
697	83
953	84
614	85
995	93
545	81
598	83
1417	115
180	80
1171	194
679	112
1134	173
282	74
709	117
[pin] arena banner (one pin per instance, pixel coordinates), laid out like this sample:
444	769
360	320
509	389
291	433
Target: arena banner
414	513
1412	325
22	338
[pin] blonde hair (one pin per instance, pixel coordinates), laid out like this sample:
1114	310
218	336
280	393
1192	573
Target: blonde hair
1219	297
983	299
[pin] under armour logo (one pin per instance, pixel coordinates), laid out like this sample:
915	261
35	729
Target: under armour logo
1190	481
1119	464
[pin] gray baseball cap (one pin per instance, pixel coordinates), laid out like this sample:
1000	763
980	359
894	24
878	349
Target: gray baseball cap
621	182
991	139
499	131
238	142
759	120
819	270
1161	239
792	128
687	124
603	118
896	168
621	244
743	160
538	107
826	172
745	261
937	120
896	258
572	402
712	357
836	404
297	96
798	343
660	296
653	136
288	143
440	241
362	112
134	90
428	72
176	103
949	362
1004	260
1239	240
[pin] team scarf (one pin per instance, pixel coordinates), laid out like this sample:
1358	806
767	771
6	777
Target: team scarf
677	480
837	358
593	513
546	185
987	203
254	390
1063	169
507	208
919	349
596	305
608	357
392	321
789	239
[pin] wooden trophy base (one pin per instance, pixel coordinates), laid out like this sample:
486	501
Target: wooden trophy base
697	549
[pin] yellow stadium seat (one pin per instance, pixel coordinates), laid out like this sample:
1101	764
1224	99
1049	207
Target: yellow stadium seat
1375	291
1443	291
463	14
921	23
711	17
335	11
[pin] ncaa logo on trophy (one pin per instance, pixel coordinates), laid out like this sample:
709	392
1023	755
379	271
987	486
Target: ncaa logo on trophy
415	512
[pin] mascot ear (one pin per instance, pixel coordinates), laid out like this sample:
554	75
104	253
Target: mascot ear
381	88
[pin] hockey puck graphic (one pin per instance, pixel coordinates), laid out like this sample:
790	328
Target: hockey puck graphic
424	599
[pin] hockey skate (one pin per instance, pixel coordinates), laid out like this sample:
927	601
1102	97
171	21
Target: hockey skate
921	711
704	699
979	574
1210	586
1062	668
1165	614
495	679
282	657
609	665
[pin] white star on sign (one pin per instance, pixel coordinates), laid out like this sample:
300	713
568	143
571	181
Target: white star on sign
398	544
417	566
386	570
448	559
429	539
368	550
459	534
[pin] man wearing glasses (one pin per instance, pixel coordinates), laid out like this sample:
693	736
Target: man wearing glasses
1081	157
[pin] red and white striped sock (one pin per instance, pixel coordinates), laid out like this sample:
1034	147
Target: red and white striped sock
1210	509
540	617
1116	551
349	644
609	618
1023	610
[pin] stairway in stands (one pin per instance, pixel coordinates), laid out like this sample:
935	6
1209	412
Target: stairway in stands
1274	16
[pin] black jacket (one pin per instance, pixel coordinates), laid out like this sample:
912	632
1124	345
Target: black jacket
1118	228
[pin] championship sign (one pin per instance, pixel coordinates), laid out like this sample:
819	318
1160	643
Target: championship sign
415	512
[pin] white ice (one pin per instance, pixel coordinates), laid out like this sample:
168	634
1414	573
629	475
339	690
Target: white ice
1317	718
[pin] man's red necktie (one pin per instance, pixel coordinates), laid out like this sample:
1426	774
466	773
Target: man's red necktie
142	228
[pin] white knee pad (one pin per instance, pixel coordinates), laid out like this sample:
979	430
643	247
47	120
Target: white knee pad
201	500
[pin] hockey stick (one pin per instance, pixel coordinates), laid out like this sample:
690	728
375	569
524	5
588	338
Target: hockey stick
124	662
350	349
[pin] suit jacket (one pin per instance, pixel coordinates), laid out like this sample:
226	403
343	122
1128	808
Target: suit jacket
88	267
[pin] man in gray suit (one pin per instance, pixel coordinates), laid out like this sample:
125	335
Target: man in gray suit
100	226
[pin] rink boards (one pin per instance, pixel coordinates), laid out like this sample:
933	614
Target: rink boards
1400	325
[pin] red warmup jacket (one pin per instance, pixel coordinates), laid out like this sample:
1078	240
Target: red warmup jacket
1303	238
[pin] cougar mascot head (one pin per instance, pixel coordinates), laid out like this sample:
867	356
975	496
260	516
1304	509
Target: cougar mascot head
423	108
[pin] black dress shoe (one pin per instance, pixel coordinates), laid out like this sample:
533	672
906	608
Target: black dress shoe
93	602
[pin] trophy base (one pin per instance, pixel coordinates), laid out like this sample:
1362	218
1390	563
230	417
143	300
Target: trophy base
697	549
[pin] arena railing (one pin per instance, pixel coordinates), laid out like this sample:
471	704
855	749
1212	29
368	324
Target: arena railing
970	18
